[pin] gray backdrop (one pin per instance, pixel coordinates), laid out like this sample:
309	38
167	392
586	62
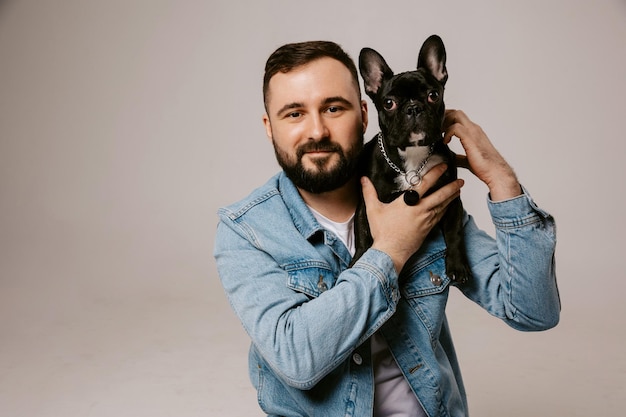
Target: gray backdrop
124	125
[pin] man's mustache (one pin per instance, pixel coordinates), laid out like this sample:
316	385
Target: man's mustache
321	146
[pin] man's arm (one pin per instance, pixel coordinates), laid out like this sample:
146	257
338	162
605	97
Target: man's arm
514	275
303	338
398	229
481	157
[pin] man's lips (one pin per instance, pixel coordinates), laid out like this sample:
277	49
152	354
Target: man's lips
319	152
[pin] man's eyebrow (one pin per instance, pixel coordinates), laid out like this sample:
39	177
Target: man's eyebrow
289	106
338	99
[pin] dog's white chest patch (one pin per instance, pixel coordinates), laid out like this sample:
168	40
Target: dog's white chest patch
414	166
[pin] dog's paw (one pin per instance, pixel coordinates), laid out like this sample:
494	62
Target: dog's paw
459	274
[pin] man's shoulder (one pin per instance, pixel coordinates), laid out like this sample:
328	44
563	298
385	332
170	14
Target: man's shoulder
256	197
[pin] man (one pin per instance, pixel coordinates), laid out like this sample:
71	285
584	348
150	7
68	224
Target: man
328	340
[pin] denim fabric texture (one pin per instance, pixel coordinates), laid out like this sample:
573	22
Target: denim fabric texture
309	316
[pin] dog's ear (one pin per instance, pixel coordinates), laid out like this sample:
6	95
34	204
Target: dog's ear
432	57
374	70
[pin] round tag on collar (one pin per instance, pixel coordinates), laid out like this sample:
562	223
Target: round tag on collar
411	197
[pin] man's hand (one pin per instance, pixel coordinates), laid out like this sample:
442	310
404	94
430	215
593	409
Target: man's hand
398	229
481	157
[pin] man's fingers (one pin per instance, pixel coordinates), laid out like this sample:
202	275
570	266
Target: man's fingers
444	196
447	193
452	116
455	123
369	192
431	177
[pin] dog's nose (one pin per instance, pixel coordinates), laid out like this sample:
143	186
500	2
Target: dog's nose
412	110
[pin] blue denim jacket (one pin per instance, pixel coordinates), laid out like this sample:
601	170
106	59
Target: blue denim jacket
310	316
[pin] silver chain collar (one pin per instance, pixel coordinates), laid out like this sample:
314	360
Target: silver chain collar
412	177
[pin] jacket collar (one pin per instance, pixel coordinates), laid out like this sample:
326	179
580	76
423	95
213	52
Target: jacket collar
300	213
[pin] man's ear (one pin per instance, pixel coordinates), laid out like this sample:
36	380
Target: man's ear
364	115
268	127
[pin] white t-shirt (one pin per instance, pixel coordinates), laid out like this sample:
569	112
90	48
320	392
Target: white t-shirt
344	230
393	397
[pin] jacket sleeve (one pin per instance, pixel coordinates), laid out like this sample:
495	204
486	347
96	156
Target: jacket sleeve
302	338
514	275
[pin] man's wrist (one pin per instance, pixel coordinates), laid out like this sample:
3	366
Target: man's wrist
505	188
398	257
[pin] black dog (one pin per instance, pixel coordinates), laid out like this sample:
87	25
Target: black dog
410	113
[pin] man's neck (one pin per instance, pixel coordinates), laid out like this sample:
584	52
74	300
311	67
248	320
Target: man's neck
337	205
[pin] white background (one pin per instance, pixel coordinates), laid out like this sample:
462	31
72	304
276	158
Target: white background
124	125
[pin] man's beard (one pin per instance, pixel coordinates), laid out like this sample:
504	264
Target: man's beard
320	180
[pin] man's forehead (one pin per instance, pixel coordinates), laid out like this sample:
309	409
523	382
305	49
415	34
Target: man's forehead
322	78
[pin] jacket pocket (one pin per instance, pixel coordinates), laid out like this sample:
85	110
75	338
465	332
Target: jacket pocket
425	289
311	277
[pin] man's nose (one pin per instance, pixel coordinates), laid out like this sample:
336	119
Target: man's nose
317	127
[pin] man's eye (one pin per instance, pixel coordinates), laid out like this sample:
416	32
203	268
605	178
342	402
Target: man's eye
334	109
389	104
294	114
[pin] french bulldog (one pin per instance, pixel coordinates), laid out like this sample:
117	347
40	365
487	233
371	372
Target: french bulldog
410	113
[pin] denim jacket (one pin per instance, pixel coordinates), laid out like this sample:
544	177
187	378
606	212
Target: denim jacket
310	317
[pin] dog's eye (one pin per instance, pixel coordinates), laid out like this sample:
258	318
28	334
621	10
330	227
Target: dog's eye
389	104
433	96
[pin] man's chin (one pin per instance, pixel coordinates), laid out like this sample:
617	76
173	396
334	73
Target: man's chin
320	161
318	172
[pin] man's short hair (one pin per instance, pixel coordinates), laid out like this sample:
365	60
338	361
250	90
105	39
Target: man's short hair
294	55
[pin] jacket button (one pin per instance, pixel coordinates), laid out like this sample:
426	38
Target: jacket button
321	285
357	359
435	279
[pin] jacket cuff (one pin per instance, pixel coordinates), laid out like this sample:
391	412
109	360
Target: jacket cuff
380	265
516	211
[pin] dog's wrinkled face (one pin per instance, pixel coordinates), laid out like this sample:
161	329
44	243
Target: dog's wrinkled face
410	109
410	104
